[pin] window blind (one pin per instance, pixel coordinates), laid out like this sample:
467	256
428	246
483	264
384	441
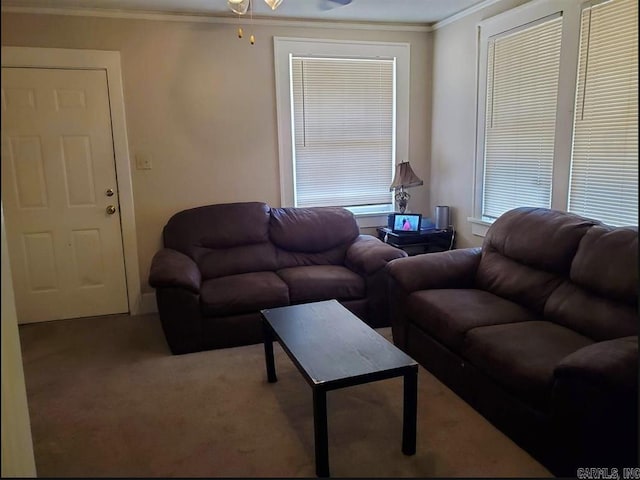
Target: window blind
343	131
522	87
604	163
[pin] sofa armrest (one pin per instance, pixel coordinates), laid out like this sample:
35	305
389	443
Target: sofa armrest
595	403
612	364
368	254
170	268
449	269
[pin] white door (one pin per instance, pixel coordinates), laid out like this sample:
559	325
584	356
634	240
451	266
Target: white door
58	182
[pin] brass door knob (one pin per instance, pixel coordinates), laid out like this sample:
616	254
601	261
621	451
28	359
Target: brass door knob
111	209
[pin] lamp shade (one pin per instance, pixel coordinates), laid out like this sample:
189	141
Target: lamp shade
404	177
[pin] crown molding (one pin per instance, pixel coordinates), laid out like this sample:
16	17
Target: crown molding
463	13
202	18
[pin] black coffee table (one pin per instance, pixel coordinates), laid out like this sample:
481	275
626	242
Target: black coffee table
333	348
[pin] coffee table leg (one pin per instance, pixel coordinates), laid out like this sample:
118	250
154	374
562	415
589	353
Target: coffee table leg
268	353
321	432
410	412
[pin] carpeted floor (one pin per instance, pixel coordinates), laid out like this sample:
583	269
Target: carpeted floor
106	398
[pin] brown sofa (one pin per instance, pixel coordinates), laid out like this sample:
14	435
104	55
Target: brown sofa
223	263
537	330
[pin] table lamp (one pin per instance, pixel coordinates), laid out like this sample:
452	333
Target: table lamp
404	178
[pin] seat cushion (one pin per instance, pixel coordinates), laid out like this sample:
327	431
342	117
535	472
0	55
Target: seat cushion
322	282
243	293
448	314
522	356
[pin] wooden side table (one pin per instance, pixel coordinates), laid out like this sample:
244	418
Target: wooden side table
426	241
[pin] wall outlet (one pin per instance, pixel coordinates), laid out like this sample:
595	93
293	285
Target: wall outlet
143	161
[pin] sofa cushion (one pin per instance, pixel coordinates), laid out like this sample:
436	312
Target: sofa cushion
220	262
596	317
322	282
527	252
600	300
603	263
541	238
448	314
196	230
521	357
244	293
312	229
333	256
520	283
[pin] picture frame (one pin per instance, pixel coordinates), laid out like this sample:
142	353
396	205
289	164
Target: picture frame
405	222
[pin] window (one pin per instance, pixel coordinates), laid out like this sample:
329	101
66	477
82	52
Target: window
604	163
557	111
343	113
522	87
343	131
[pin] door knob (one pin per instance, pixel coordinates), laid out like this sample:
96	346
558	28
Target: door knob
109	192
111	209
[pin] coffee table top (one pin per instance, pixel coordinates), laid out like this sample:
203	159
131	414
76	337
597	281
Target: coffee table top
328	343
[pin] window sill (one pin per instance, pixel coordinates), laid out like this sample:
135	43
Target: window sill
371	220
371	216
479	227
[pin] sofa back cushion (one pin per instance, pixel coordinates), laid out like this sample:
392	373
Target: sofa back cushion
312	236
607	263
600	297
220	262
223	239
528	253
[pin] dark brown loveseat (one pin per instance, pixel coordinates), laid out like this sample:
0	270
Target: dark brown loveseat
223	263
537	330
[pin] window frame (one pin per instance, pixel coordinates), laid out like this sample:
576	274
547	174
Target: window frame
284	48
569	53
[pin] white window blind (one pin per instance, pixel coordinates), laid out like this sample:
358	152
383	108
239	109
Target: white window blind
522	87
343	131
604	163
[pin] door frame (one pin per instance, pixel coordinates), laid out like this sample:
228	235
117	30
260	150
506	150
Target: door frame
109	61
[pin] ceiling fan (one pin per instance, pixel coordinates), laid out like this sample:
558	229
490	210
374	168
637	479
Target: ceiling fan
330	4
242	6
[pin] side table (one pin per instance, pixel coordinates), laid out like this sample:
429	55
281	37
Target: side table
425	241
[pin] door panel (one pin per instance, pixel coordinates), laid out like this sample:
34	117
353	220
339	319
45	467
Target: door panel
57	164
28	167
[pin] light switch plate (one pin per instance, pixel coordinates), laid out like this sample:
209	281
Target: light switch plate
143	161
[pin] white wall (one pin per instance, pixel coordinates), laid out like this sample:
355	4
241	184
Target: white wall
17	449
453	117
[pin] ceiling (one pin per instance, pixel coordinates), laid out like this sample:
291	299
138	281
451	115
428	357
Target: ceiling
385	11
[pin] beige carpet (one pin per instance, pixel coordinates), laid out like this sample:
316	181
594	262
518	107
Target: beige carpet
107	398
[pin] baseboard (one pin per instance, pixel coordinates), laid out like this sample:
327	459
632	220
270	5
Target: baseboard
148	304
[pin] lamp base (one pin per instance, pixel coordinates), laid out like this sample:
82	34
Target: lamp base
402	198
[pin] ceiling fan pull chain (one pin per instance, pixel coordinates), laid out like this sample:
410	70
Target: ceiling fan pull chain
252	39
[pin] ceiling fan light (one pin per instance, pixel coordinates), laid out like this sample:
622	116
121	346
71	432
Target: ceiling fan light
238	6
273	3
